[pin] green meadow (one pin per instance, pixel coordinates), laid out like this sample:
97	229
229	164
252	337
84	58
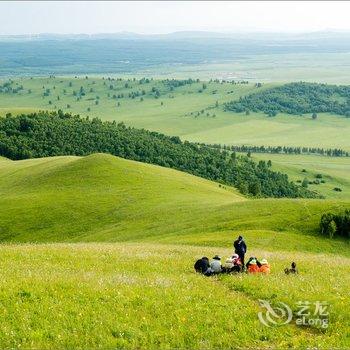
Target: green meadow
98	251
197	116
334	171
332	68
183	111
133	295
105	198
65	285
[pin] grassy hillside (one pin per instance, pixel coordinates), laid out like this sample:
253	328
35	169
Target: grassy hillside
115	240
66	198
147	296
334	170
170	113
47	134
138	293
15	111
297	99
104	198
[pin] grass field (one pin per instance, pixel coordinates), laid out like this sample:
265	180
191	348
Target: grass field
313	67
141	291
334	170
105	198
147	296
98	251
171	112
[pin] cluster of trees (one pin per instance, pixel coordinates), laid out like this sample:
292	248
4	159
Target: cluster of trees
140	81
46	134
134	94
144	81
155	92
174	83
203	112
331	152
336	224
296	98
233	82
113	87
79	94
8	88
305	183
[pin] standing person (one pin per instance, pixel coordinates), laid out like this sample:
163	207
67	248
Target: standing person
240	248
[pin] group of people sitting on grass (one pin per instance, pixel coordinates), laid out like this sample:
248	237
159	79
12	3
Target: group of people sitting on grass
235	263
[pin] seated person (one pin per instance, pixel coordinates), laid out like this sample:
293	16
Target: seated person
253	265
265	266
237	263
202	265
292	270
228	264
232	264
215	265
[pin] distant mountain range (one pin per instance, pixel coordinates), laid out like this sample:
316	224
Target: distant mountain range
182	35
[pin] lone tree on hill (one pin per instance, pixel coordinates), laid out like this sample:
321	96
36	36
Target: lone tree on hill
332	229
305	183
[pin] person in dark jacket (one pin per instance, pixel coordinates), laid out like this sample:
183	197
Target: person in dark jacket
240	248
202	266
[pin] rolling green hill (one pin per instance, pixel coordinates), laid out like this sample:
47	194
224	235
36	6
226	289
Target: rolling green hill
105	198
72	198
183	111
54	134
98	251
140	291
296	98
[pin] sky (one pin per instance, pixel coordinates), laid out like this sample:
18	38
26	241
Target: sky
153	17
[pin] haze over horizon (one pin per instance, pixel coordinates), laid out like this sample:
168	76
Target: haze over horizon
152	17
222	32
